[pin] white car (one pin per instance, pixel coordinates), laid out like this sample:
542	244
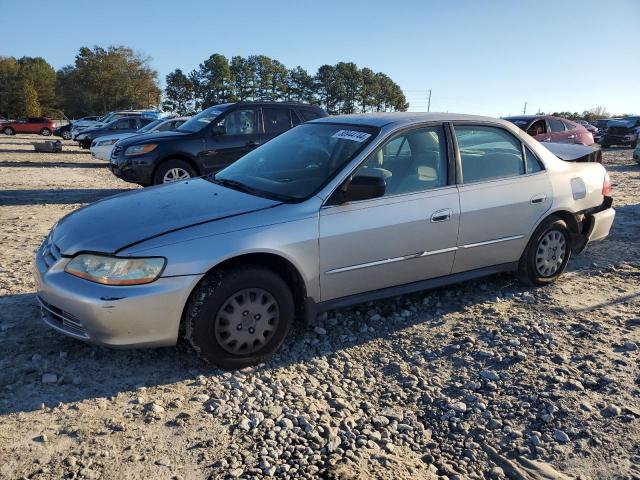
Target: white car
101	147
81	125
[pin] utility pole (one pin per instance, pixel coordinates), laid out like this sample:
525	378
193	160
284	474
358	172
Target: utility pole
429	104
524	110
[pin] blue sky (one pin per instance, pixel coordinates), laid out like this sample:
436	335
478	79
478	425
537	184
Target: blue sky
484	57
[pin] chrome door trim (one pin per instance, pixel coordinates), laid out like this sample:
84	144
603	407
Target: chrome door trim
389	260
489	242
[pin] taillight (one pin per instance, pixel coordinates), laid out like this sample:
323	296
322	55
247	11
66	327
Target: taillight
606	185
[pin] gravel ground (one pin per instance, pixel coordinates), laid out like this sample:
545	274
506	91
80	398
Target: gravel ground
488	379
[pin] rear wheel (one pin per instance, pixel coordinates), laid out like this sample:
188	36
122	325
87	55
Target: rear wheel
173	171
66	134
547	253
45	132
8	131
239	317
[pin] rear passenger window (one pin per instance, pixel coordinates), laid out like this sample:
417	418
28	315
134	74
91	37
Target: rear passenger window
412	162
276	120
309	115
556	125
294	118
488	153
533	164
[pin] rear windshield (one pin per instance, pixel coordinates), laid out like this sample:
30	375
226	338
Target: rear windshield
297	163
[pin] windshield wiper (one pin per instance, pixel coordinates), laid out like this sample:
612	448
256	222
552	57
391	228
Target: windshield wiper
236	185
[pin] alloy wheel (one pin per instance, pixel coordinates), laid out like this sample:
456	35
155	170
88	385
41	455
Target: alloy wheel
246	321
175	174
551	252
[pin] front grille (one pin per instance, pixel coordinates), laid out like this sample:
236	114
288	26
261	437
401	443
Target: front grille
618	130
116	151
62	320
50	252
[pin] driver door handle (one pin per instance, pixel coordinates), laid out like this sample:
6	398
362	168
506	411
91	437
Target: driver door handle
443	215
538	198
252	143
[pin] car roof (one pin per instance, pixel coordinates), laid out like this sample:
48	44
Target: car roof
381	119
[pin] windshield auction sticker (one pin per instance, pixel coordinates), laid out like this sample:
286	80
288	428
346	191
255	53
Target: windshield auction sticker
351	135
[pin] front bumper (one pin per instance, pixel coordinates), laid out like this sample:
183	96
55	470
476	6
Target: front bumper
136	170
618	139
102	152
132	316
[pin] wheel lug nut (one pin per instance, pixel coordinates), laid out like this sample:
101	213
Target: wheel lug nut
239	327
252	330
257	316
245	313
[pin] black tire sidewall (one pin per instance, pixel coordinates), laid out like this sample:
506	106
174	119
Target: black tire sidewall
528	268
214	292
165	166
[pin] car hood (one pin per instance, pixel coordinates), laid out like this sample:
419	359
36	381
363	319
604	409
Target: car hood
117	136
114	223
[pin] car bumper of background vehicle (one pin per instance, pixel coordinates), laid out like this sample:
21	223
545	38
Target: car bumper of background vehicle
102	152
133	170
132	316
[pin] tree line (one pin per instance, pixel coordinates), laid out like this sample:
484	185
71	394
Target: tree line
340	88
117	77
100	80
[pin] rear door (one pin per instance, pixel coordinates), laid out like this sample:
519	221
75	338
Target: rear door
33	125
503	194
558	131
407	235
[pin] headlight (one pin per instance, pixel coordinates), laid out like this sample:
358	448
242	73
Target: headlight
114	270
111	141
140	149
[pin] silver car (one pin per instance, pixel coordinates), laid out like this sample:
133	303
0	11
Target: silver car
332	213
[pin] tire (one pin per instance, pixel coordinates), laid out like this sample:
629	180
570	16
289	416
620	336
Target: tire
8	131
86	143
175	168
539	264
213	324
45	132
66	135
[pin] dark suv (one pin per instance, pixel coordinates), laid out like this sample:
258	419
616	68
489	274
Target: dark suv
208	142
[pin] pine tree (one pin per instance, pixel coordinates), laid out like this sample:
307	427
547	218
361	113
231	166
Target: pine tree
31	103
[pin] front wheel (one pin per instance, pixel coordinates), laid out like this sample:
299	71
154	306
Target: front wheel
547	253
173	171
240	316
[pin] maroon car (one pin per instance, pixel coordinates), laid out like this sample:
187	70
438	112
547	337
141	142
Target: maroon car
546	128
41	125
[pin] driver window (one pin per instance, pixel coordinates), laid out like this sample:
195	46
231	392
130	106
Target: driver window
411	162
537	128
240	122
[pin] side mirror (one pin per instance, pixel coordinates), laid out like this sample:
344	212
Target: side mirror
360	187
218	130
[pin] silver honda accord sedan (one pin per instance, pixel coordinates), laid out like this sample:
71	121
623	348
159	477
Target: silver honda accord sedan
332	213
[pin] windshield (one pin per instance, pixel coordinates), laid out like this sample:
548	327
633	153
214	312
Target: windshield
201	120
151	126
297	163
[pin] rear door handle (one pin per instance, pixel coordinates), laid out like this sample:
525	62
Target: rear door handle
539	198
441	215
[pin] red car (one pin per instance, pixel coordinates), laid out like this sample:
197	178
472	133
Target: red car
41	125
546	128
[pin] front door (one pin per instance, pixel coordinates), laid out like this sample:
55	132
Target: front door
503	195
242	136
407	235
